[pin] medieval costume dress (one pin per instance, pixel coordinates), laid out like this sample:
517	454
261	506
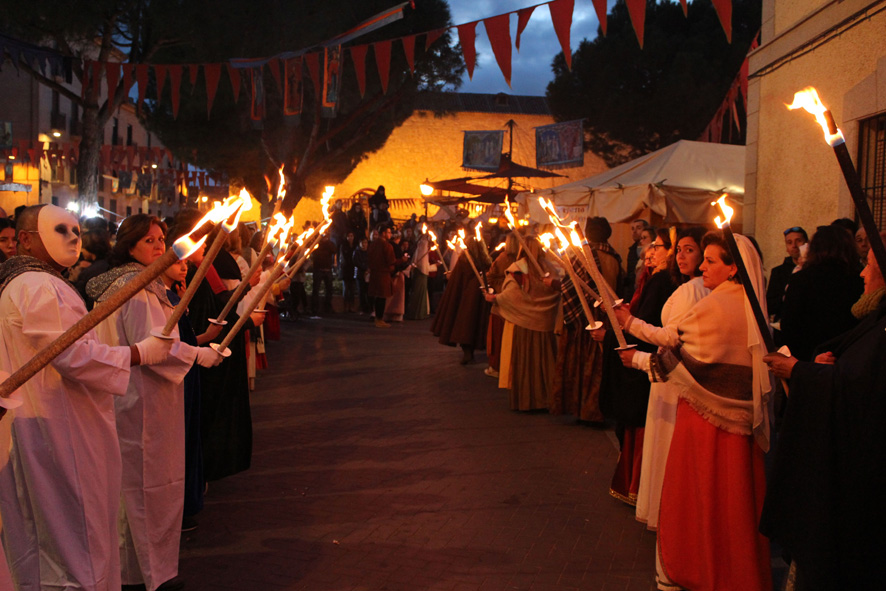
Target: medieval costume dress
714	481
419	306
226	417
496	278
60	476
529	356
151	431
463	314
627	389
661	412
824	504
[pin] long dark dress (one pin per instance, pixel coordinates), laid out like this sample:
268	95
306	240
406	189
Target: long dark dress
824	500
225	418
625	391
194	480
463	314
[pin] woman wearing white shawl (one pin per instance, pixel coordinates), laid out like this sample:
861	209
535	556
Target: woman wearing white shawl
714	481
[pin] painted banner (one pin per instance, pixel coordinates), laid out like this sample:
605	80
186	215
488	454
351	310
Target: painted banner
482	150
560	145
332	57
292	85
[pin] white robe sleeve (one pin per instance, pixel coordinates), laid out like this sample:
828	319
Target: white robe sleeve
48	309
672	313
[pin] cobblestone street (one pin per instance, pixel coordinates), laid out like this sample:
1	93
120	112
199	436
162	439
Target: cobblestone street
380	463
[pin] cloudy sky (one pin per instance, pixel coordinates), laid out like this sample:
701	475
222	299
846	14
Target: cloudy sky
531	67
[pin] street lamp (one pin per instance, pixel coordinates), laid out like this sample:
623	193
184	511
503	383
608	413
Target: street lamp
426	189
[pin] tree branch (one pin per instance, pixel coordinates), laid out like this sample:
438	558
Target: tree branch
52	84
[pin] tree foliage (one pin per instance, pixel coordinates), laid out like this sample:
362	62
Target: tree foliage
638	100
314	150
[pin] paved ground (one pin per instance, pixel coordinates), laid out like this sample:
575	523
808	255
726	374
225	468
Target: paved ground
381	464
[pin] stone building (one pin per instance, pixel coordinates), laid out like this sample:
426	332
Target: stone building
839	47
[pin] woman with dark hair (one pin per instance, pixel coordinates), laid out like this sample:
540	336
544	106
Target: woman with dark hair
714	480
661	412
818	302
150	416
625	390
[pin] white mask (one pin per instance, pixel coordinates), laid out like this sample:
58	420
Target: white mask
60	232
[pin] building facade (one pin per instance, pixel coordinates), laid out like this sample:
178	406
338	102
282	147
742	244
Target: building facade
838	47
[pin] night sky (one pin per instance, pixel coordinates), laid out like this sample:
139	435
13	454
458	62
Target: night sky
531	67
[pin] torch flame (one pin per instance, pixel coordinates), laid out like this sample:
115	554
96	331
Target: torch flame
477	232
507	211
576	239
280	228
219	214
546	239
808	99
424	229
281	190
499	247
564	242
727	211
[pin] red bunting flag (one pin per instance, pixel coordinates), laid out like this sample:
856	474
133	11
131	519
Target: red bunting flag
175	79
685	7
358	55
128	70
112	76
383	61
724	13
160	73
312	60
96	78
522	20
234	76
211	74
498	29
141	76
467	33
409	50
274	67
637	12
600	9
561	16
432	37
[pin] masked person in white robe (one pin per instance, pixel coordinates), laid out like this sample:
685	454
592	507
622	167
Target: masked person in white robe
60	462
150	416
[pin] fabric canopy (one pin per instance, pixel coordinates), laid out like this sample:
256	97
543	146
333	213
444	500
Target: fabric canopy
677	182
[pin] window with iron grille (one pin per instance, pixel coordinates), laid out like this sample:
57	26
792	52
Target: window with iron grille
872	164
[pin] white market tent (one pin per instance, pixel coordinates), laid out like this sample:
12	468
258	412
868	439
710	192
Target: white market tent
677	182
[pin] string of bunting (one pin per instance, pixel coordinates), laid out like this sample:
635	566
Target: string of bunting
727	117
287	70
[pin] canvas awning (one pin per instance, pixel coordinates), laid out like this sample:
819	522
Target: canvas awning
677	182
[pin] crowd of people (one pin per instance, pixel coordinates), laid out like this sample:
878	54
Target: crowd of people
694	397
108	450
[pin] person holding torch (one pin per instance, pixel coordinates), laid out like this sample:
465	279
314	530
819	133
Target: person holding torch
60	481
150	416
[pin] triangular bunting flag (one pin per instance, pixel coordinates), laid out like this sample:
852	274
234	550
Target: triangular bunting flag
212	74
561	16
274	67
522	20
498	29
409	50
312	60
112	75
160	73
600	9
141	77
432	37
685	8
234	76
637	12
95	77
358	55
84	81
127	77
467	34
724	12
383	61
175	82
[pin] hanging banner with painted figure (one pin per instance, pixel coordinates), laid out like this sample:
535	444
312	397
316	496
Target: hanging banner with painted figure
560	145
482	150
331	80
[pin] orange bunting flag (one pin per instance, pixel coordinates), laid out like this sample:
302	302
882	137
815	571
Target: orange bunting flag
522	20
467	34
685	7
498	29
234	76
637	12
212	74
312	60
600	9
175	80
409	51
383	61
432	37
112	76
561	16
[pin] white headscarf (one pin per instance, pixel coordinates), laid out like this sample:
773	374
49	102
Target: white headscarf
762	379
